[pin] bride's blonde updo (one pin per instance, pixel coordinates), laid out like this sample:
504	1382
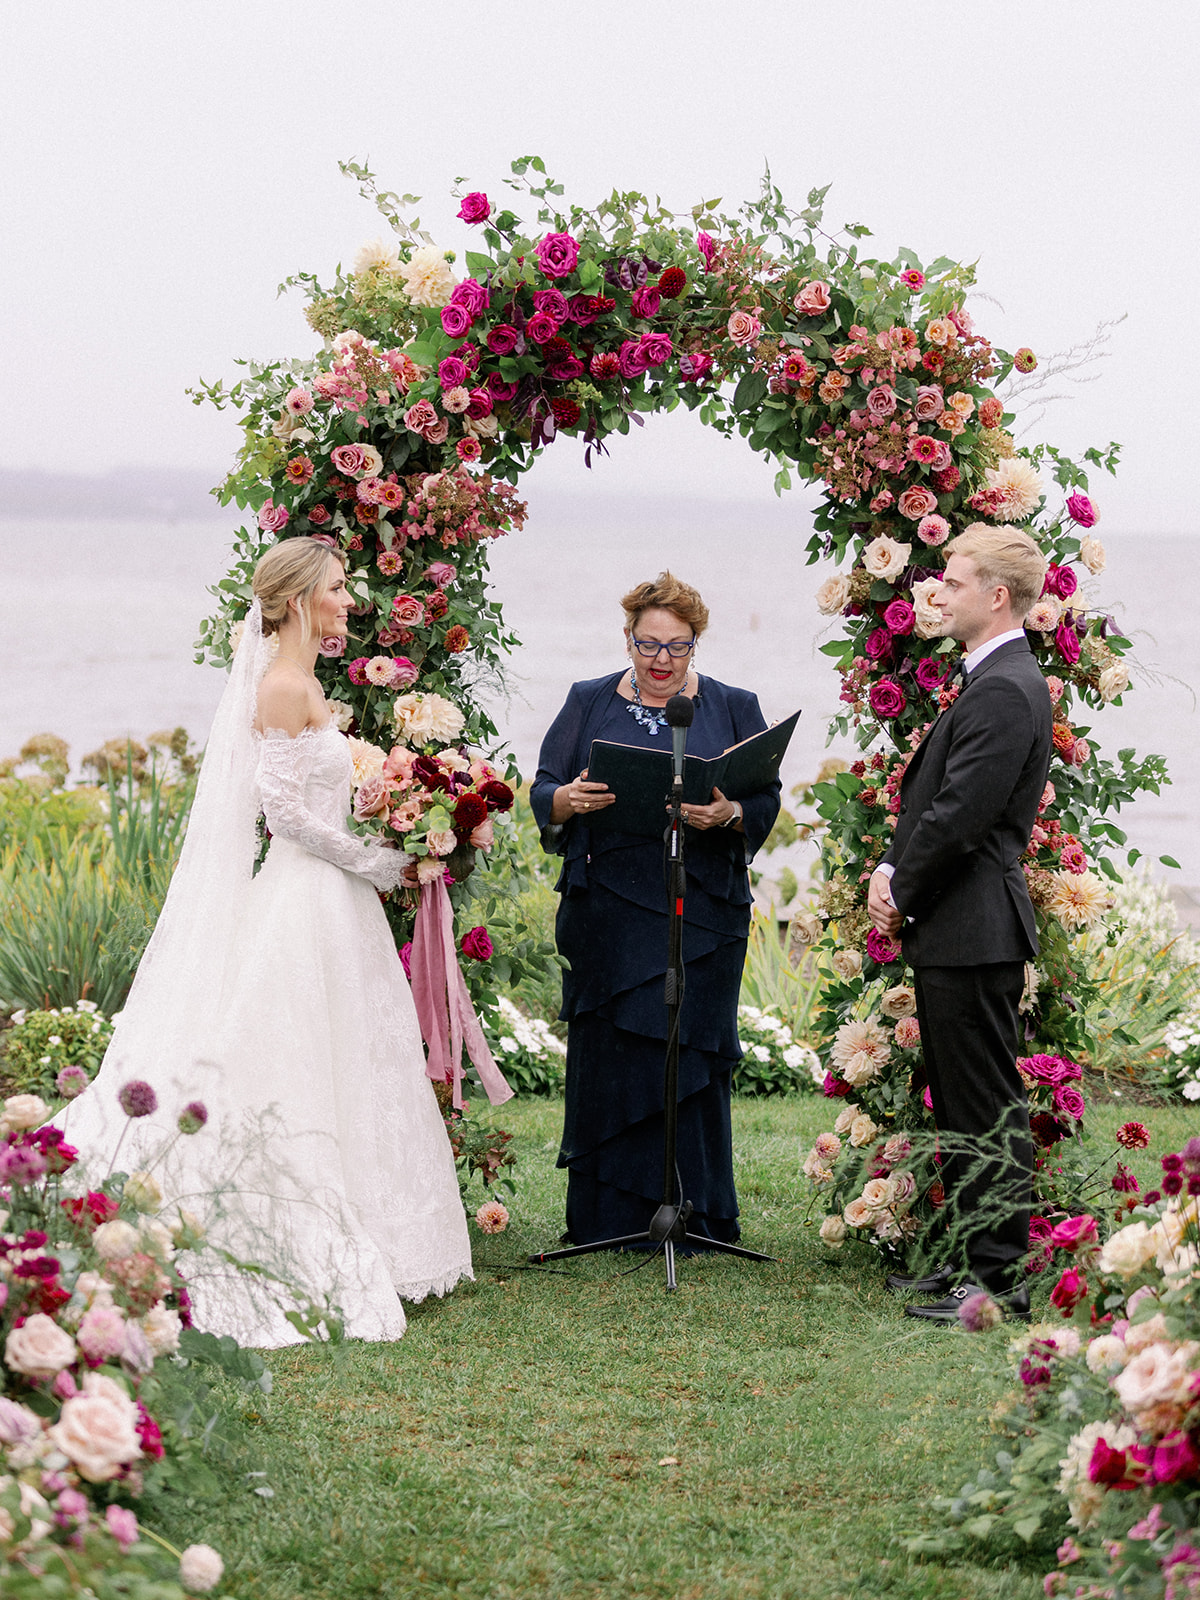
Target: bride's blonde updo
295	569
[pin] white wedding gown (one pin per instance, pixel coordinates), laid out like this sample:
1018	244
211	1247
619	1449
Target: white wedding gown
324	1158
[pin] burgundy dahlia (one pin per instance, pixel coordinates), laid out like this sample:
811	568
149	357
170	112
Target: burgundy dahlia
672	283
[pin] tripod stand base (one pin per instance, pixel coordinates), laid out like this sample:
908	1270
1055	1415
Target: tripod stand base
668	1242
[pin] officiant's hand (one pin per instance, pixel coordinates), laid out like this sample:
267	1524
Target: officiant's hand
578	797
721	813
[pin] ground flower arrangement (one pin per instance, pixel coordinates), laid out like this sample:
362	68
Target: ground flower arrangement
95	1327
1104	1464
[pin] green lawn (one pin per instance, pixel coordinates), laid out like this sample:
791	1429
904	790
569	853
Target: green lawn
769	1430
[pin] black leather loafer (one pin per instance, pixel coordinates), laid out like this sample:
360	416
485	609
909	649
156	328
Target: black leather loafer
1013	1304
935	1282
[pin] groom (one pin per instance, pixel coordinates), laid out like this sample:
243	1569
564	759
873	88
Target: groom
951	886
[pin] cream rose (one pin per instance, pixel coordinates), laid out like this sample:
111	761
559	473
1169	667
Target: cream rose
1092	554
886	558
1127	1251
1155	1374
834	595
878	1193
862	1130
833	1232
900	1001
858	1214
816	1170
847	964
143	1192
427	277
807	928
97	1430
845	1117
1114	680
1106	1354
39	1348
113	1241
930	623
162	1328
22	1111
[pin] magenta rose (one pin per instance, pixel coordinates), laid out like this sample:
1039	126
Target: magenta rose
503	339
1060	581
476	207
879	643
656	347
541	327
557	255
834	1088
456	320
477	944
349	458
707	247
881	949
1070	1289
931	673
404	672
471	294
1066	642
552	303
1081	510
900	617
887	698
916	503
564	371
1075	1233
499	390
273	518
645	303
930	402
695	365
405	954
1069	1101
452	372
1176	1458
631	359
881	402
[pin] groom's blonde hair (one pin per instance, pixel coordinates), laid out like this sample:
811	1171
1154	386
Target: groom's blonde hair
1003	556
294	569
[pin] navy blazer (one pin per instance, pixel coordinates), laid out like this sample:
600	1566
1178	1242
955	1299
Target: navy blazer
968	804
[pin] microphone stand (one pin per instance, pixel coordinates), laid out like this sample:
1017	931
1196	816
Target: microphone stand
668	1226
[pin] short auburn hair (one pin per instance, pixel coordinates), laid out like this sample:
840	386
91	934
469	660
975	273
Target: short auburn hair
667	593
1003	556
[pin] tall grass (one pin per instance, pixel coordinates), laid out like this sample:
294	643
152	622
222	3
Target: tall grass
782	976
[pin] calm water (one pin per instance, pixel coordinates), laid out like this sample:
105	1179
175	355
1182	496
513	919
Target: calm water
99	620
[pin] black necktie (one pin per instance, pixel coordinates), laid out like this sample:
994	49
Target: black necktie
960	675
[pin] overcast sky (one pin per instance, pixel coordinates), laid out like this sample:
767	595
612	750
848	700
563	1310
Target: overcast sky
165	165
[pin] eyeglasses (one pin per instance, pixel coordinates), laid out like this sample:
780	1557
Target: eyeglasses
651	647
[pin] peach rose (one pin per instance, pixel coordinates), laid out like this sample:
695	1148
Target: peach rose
1091	553
833	596
743	328
833	1232
878	1193
858	1214
847	964
930	623
899	1001
862	1130
813	299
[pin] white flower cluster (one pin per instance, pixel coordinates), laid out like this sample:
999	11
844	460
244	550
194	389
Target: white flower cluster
526	1050
1182	1066
525	1033
768	1042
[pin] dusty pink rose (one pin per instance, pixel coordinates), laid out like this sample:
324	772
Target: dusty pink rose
436	433
933	530
419	417
349	458
484	835
813	299
743	328
100	1335
1081	753
476	207
407	611
372	798
916	502
929	403
439	573
39	1348
273	518
331	646
557	255
881	402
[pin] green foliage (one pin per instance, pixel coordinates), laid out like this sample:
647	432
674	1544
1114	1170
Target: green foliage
39	1044
783	976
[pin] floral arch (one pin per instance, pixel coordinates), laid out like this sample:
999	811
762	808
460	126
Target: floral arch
438	387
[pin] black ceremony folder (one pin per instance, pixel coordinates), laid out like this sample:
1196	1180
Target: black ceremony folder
641	778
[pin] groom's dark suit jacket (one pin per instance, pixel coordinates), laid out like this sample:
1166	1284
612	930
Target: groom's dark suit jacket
968	803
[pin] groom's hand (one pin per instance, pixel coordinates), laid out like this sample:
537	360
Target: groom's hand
883	914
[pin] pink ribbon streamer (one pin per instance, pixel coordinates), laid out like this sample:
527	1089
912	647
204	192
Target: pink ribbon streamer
444	1007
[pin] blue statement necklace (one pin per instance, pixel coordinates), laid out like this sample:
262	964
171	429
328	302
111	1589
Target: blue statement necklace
651	720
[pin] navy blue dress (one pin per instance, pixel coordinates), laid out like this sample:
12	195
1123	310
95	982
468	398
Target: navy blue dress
612	928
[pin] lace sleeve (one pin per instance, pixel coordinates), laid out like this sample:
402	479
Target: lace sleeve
283	767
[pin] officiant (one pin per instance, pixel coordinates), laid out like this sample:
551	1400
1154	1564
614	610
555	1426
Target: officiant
612	930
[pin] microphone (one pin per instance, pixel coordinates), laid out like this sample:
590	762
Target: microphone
680	711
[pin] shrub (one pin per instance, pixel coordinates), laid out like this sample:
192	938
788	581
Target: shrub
39	1044
526	1051
774	1062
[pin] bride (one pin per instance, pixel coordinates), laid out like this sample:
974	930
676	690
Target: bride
274	1009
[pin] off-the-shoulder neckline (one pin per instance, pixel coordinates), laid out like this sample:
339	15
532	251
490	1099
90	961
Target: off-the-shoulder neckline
282	733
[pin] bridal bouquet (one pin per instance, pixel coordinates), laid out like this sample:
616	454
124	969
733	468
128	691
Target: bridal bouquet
93	1306
439	803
